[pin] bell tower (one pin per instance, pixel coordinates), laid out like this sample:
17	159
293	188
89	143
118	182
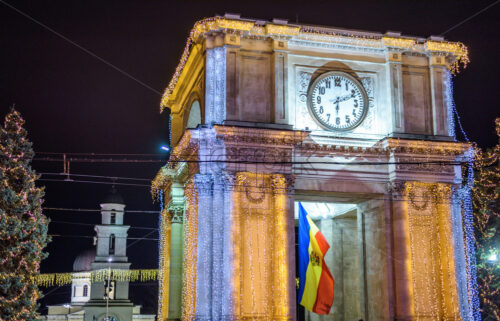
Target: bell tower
110	298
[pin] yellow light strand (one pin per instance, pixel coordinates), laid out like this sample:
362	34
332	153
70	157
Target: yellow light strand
249	29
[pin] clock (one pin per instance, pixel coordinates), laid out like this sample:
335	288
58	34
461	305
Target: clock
337	101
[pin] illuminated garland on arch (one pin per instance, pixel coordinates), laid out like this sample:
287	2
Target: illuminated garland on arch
251	28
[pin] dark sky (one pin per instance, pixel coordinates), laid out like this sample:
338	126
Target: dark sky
75	103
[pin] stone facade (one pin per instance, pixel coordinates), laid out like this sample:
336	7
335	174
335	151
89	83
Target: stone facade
232	183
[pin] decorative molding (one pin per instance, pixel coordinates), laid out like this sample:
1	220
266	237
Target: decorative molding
368	83
259	136
304	117
204	183
396	188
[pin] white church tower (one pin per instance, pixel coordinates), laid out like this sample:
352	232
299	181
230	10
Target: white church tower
102	301
110	299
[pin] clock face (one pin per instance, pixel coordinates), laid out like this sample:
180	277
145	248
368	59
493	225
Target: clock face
337	101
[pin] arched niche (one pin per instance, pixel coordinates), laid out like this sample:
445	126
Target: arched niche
194	118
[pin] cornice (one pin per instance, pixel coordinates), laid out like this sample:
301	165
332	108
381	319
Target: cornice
370	41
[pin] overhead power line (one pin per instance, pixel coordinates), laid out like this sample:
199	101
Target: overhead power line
89	224
99	154
470	17
91	237
81	48
90	182
67	209
222	161
97	176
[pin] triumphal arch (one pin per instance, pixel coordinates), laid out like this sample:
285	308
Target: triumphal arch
358	127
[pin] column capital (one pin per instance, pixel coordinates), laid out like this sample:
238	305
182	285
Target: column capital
176	213
224	179
395	188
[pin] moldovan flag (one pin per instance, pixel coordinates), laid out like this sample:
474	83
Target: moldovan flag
315	281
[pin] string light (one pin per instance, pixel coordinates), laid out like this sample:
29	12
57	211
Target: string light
190	253
120	275
456	50
433	269
465	196
24	227
163	260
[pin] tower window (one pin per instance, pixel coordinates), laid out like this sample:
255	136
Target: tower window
112	244
85	290
74	290
113	218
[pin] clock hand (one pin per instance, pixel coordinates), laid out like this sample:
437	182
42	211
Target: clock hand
346	97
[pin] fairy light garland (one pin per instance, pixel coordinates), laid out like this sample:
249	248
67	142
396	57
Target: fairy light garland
119	275
465	196
190	252
457	49
432	261
250	28
261	259
163	260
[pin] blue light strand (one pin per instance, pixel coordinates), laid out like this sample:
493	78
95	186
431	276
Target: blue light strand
465	196
450	105
454	110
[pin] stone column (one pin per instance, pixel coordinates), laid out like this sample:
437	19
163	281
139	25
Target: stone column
204	186
396	89
176	258
228	249
222	308
376	300
437	73
401	256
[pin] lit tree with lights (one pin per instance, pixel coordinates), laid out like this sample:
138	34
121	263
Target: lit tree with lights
23	227
487	226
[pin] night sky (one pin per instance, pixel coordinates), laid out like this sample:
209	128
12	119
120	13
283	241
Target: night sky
74	103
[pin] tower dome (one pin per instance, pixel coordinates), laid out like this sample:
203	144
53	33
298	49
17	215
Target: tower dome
83	261
113	197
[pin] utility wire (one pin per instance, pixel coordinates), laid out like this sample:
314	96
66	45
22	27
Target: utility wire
81	47
89	224
93	210
97	176
91	237
140	239
89	182
222	161
257	189
469	18
99	154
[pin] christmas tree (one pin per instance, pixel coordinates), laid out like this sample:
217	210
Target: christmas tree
23	227
487	227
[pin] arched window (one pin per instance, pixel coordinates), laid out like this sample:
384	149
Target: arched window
194	115
113	218
85	290
112	244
